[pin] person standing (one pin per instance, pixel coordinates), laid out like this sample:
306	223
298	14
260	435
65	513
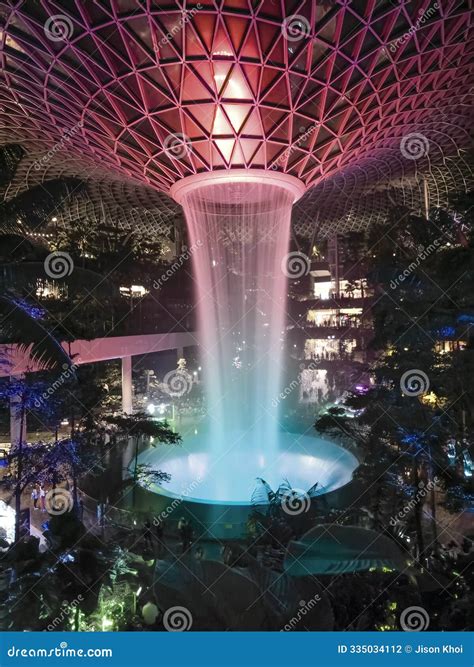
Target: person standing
35	496
80	503
188	536
159	532
42	495
199	553
147	535
183	532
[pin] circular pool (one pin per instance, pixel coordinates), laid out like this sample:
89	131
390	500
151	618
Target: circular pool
229	475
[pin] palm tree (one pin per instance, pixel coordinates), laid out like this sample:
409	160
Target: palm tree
20	324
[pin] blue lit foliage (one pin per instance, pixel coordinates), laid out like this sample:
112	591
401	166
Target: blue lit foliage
466	318
416	442
20	324
34	396
49	463
34	311
446	332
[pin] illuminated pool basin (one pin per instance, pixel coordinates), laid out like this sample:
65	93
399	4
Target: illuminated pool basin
197	476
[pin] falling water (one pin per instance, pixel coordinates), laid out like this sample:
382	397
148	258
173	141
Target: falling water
240	235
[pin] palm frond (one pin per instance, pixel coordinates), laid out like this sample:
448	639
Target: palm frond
262	494
19	327
313	491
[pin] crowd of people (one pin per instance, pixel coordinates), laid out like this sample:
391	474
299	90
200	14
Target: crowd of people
40	497
154	538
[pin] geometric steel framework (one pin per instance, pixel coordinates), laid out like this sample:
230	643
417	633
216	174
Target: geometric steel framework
103	202
356	99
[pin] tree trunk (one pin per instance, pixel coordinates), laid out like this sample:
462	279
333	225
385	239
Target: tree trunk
74	476
135	469
418	513
434	526
18	487
75	498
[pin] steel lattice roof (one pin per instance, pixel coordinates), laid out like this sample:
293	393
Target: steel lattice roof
357	99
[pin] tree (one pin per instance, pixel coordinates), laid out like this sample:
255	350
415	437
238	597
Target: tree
69	459
20	324
140	425
26	464
421	275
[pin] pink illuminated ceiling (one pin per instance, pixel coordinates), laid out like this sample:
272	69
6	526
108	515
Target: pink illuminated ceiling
324	90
